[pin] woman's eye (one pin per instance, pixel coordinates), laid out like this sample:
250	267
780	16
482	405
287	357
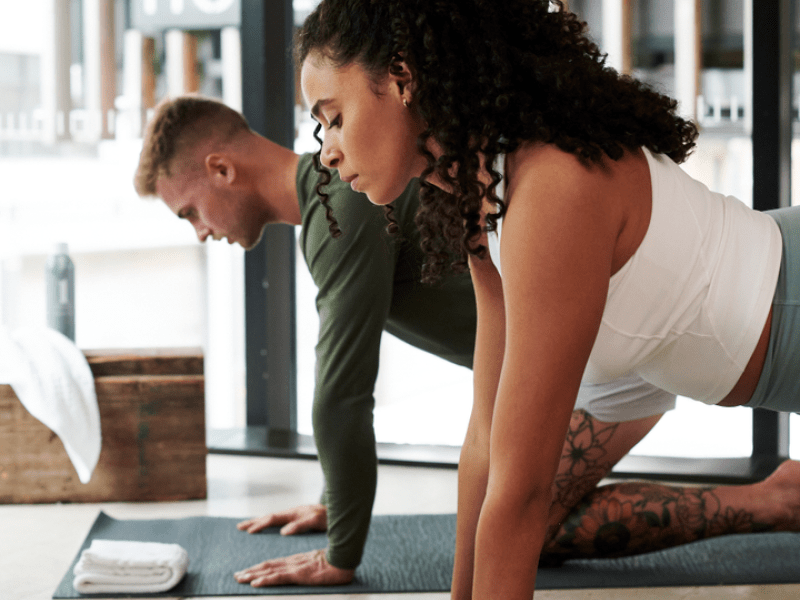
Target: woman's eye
336	122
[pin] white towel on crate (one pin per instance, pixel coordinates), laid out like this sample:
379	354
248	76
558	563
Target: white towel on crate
53	381
112	566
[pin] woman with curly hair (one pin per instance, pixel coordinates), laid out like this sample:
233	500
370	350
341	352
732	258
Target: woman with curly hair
614	261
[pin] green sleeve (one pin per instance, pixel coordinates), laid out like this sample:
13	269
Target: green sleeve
354	275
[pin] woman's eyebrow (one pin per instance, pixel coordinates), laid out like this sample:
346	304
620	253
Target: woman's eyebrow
318	106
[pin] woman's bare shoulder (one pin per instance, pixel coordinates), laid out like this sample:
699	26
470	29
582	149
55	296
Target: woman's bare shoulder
544	172
549	163
546	182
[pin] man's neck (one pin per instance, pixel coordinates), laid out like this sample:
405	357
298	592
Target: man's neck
277	180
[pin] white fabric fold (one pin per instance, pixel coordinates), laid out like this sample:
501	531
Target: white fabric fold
114	566
50	376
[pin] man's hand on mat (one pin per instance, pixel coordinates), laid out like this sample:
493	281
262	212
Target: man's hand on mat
313	517
308	568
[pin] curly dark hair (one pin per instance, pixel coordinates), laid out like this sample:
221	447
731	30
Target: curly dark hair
490	76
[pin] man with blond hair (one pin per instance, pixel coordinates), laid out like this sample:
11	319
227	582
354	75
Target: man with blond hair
203	160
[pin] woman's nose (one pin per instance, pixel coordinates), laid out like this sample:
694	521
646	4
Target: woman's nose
329	155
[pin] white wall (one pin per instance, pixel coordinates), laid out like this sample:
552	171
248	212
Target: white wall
21	31
141	275
134	298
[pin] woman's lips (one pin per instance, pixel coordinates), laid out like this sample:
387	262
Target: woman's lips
352	180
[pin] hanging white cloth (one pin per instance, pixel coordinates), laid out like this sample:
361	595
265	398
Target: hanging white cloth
50	376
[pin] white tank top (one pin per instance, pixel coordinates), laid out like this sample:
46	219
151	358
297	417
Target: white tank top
686	311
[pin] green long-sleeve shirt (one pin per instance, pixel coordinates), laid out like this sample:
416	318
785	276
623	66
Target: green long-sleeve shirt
368	281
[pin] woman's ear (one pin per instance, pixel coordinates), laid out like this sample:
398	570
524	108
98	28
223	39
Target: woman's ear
402	81
220	169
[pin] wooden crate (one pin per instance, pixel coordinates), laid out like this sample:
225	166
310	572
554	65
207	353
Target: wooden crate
152	415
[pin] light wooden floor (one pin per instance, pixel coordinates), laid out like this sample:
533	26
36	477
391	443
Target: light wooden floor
38	542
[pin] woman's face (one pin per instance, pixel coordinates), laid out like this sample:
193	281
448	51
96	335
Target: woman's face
369	133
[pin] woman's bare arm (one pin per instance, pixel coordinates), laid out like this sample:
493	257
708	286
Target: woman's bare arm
473	469
559	244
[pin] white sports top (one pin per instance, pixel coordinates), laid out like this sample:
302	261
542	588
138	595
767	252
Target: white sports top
686	311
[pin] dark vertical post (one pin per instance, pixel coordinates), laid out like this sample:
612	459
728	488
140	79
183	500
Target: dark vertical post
268	105
771	48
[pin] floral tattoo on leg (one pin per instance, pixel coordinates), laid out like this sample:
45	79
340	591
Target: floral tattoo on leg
636	517
584	461
627	518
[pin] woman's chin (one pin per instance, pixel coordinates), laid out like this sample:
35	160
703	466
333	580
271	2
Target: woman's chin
379	199
385	196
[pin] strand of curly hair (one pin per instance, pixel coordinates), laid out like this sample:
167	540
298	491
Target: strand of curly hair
490	76
324	178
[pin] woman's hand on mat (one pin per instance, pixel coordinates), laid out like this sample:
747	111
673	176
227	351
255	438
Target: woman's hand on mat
308	568
312	517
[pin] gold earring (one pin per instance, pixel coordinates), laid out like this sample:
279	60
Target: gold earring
405	102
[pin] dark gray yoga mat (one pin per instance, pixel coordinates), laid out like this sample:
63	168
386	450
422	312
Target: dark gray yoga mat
403	554
414	553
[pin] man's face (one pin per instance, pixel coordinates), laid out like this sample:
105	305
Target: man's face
215	211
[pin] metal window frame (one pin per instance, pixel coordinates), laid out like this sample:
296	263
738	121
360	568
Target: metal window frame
772	43
269	269
268	104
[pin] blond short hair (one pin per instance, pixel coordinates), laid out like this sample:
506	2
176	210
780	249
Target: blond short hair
178	126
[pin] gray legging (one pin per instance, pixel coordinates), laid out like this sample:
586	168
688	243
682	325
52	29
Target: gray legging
778	387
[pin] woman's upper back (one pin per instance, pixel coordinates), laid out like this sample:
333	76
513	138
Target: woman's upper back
687	310
692	271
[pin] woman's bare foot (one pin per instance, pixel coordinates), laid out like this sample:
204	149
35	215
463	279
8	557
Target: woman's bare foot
782	489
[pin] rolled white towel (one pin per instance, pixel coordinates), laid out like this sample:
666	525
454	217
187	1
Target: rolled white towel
129	567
